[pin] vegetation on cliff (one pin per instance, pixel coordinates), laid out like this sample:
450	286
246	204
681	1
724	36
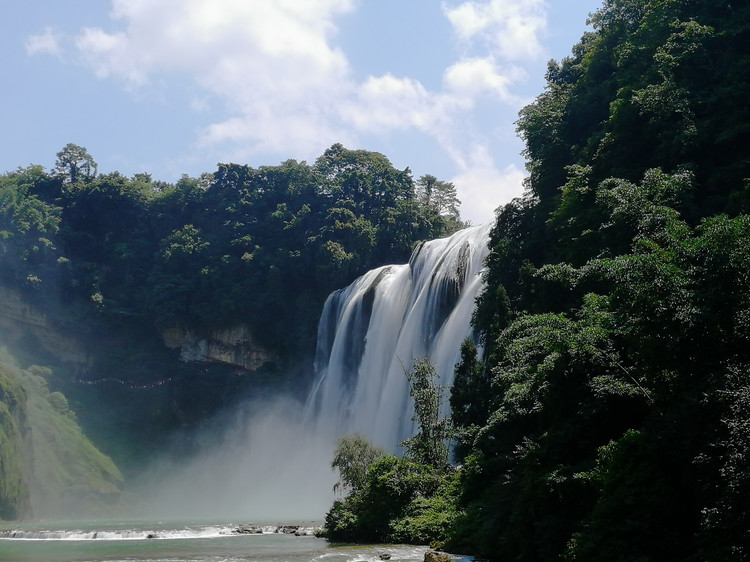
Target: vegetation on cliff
391	499
14	486
615	319
264	246
607	416
48	464
114	261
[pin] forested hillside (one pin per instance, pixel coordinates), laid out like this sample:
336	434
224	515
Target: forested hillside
263	246
108	265
609	417
48	467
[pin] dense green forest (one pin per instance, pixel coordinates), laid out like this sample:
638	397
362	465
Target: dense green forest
111	262
263	246
605	413
607	416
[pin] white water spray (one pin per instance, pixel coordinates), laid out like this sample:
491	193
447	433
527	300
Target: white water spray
374	329
273	461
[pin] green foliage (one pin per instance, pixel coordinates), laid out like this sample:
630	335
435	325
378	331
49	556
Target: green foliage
644	355
74	164
430	445
440	200
353	457
261	246
469	399
28	230
615	316
643	91
400	501
47	462
429	518
70	475
14	484
391	499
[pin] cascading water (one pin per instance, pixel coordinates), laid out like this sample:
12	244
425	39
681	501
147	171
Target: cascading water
375	328
274	460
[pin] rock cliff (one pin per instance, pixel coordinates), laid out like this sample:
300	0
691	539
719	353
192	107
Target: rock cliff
234	346
19	319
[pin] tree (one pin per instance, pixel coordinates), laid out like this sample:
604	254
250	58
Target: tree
364	181
28	231
430	444
438	202
74	164
353	457
440	196
469	398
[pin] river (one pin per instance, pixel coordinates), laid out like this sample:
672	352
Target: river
120	541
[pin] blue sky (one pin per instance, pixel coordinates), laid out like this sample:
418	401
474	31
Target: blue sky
172	87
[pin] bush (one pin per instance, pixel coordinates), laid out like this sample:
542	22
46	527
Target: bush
400	501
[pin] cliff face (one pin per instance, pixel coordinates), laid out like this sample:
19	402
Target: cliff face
19	319
234	346
129	391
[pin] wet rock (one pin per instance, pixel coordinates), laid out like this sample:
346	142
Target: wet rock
287	529
384	556
432	556
248	530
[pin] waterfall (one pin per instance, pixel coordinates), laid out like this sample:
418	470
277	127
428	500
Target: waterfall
374	329
272	461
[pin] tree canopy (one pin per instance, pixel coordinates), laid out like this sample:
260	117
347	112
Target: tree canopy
603	420
263	246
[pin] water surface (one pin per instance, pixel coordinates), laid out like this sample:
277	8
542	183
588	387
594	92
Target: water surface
121	541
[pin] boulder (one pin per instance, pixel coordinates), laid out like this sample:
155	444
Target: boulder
248	530
432	556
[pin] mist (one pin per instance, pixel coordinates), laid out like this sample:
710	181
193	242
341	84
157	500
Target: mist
271	460
267	464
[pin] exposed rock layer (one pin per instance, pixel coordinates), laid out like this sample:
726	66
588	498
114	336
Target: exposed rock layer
234	346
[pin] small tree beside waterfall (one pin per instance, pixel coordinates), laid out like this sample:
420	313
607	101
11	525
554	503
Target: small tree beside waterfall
353	457
390	499
430	445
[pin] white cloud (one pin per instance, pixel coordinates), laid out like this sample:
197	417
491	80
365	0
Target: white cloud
482	187
387	103
509	28
476	76
269	61
47	42
109	54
